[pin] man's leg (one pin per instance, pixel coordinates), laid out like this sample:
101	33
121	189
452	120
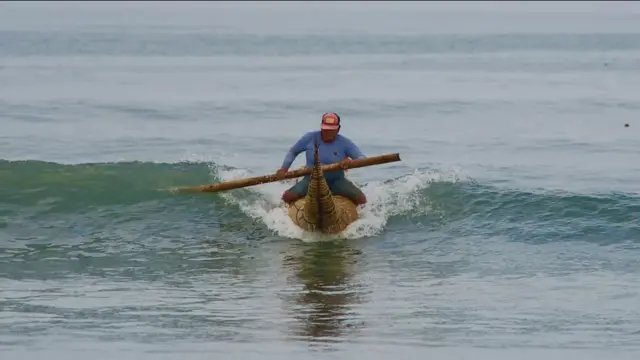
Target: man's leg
297	191
348	189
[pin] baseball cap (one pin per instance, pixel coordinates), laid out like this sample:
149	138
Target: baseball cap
330	121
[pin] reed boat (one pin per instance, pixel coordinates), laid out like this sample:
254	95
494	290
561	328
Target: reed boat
320	210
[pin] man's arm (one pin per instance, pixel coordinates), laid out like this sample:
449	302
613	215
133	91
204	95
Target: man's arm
352	150
295	150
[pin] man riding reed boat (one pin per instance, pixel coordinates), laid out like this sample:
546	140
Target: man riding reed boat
324	201
332	148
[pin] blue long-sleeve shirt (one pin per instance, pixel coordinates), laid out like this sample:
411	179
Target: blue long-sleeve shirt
329	153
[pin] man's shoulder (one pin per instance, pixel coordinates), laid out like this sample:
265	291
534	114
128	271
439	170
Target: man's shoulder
344	139
306	138
309	134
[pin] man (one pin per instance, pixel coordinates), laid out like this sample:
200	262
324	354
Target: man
332	148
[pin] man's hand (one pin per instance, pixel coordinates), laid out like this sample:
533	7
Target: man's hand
344	163
280	173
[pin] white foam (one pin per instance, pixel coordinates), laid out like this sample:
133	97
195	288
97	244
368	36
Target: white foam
385	199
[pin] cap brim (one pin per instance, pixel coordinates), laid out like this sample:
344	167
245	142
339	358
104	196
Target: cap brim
329	127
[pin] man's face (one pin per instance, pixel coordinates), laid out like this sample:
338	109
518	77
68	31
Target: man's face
329	135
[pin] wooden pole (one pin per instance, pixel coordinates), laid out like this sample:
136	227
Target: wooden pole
236	184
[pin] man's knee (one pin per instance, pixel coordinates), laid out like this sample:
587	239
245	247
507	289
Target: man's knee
346	188
289	196
296	192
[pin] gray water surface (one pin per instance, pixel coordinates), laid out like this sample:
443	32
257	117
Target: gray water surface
509	228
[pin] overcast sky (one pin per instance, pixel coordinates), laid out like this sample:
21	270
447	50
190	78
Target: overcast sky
464	6
300	17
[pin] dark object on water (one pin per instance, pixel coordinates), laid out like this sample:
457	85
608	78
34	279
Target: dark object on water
626	125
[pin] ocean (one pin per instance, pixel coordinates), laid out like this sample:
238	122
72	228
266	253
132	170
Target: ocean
510	227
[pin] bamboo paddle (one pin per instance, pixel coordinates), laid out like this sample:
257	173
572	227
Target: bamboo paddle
236	184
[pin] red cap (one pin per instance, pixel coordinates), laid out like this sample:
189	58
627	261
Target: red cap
330	121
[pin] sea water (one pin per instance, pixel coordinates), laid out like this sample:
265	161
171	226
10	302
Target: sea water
509	229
